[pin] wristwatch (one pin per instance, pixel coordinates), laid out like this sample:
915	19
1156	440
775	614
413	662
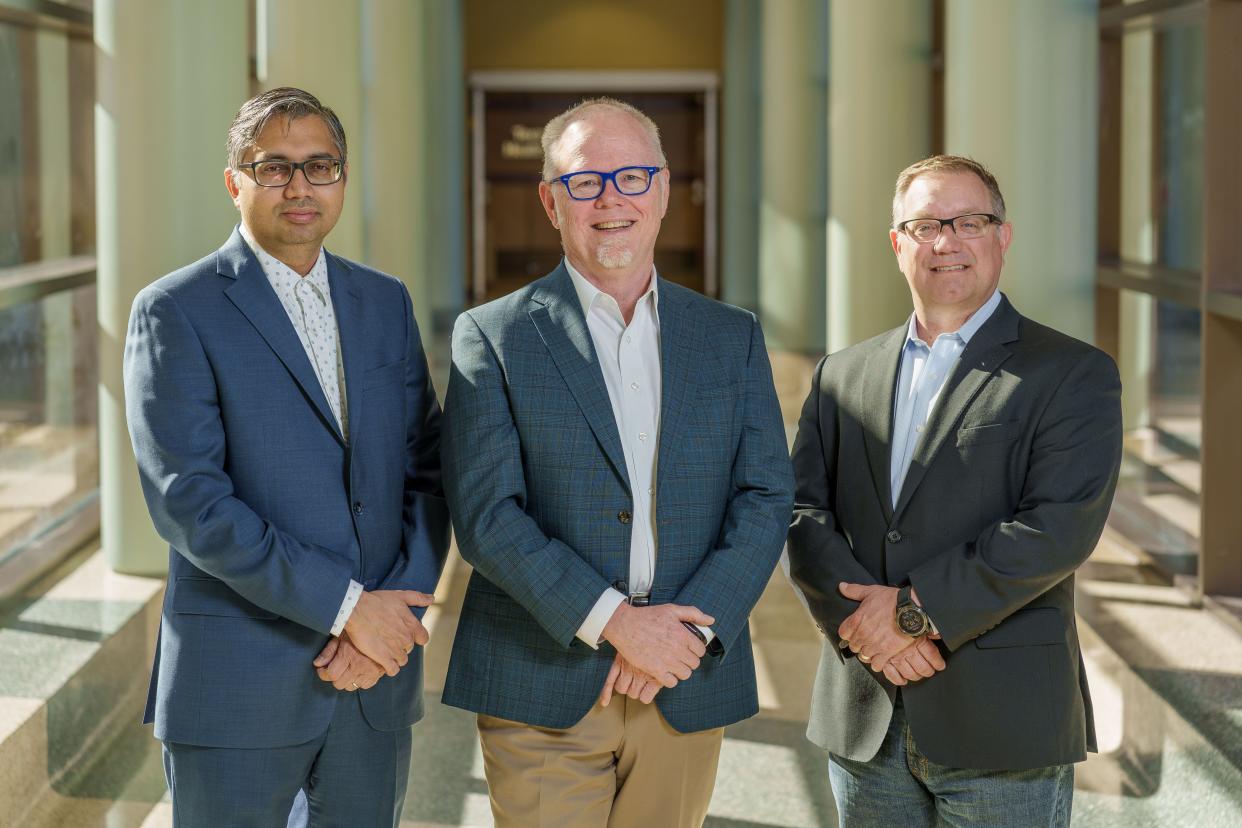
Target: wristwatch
911	619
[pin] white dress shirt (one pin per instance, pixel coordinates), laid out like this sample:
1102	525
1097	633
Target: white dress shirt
629	358
308	302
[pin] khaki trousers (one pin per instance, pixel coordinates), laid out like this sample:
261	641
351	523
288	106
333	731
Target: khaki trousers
621	766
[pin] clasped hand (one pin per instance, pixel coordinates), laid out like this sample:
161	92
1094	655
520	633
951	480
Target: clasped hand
377	640
871	633
654	649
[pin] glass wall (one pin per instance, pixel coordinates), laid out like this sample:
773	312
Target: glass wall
48	370
1152	237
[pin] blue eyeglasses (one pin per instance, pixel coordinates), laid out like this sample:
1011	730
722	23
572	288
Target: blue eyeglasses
585	185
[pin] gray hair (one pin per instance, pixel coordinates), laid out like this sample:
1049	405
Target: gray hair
947	164
284	101
556	127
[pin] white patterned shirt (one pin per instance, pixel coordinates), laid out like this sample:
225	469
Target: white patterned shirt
308	302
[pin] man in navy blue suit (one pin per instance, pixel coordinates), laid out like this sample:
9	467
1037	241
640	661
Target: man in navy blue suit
287	439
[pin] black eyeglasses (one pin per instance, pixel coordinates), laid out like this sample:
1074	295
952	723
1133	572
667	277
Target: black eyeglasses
278	173
970	226
585	185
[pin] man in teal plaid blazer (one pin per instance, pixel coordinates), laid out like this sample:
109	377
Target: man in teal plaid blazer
615	463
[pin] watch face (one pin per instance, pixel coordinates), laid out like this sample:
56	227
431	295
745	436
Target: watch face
911	621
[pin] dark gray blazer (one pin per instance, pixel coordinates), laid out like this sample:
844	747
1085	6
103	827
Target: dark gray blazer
1007	494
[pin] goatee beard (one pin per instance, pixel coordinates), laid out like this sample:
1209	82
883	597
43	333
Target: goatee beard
614	256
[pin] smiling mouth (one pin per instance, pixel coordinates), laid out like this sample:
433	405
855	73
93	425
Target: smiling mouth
948	268
613	225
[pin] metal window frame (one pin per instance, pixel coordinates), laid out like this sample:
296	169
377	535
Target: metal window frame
47	14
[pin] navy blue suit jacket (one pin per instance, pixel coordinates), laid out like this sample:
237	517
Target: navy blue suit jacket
267	509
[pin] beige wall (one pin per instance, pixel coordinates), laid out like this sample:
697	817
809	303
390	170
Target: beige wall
586	34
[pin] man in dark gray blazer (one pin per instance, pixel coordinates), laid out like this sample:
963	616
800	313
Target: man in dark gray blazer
951	475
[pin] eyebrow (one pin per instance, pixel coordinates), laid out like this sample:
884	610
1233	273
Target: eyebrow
280	156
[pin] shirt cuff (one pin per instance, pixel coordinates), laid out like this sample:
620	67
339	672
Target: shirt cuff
592	630
707	633
347	607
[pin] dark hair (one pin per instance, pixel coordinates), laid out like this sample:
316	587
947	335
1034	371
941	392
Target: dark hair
284	101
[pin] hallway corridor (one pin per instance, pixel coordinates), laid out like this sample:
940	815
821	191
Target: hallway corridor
1166	680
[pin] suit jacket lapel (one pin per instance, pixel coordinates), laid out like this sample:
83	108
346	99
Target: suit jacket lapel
681	341
557	315
347	305
254	297
880	384
982	356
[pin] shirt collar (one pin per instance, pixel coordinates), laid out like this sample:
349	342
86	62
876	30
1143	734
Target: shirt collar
318	275
969	328
589	293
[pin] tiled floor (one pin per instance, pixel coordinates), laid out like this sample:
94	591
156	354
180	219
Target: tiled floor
1166	679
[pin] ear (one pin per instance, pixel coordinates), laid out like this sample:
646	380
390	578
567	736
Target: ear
1004	234
548	199
231	185
664	191
894	240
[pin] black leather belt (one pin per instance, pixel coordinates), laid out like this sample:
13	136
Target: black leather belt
634	599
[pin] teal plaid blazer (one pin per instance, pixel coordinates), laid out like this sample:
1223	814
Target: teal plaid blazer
536	481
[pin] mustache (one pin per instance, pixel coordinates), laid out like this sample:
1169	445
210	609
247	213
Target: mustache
304	204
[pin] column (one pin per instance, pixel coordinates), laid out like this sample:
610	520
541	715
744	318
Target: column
1021	97
879	116
316	45
392	192
170	76
1136	313
739	177
445	174
794	160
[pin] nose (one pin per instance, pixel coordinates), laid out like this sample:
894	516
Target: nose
947	241
299	185
610	194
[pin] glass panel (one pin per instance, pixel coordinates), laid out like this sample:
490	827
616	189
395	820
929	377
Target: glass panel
1156	509
1179	203
48	423
48	369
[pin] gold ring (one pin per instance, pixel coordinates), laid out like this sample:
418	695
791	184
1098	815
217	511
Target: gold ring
354	684
865	659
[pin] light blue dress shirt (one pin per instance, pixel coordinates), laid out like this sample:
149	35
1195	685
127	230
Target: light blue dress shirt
921	378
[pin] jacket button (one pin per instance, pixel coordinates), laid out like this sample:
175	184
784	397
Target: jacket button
893	536
624	516
357	507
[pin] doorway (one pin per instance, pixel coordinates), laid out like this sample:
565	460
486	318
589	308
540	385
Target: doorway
512	242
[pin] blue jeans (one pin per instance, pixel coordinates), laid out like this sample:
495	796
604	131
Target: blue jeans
902	787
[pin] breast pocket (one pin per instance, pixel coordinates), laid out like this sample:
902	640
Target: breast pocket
977	435
391	375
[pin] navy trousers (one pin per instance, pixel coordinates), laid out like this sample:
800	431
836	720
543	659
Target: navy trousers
351	776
